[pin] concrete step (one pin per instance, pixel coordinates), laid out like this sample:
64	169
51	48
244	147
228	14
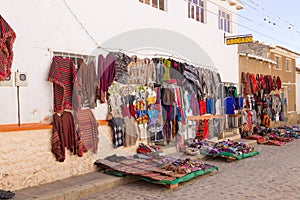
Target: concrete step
72	188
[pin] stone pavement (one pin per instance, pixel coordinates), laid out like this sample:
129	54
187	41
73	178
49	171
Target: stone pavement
272	175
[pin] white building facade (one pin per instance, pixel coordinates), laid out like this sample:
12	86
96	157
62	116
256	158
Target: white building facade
190	29
193	30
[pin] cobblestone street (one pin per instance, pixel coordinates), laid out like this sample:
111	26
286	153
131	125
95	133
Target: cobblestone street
273	174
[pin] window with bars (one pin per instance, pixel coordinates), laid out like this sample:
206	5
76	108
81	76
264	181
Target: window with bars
224	21
196	10
159	4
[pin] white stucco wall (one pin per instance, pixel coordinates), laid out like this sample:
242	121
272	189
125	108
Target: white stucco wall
45	25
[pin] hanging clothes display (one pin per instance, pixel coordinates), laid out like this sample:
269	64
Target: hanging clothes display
106	75
7	38
121	61
118	126
62	73
87	128
84	94
65	136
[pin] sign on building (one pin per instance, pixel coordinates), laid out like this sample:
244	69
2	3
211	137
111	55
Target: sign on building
239	39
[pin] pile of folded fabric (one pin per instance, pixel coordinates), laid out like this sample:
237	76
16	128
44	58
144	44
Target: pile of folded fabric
226	148
154	168
274	136
146	149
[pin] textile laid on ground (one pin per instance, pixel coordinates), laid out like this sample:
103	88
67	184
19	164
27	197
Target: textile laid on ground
146	149
65	136
274	136
154	167
87	128
62	73
7	38
84	94
226	148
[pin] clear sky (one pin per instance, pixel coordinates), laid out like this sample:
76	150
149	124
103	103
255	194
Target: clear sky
272	21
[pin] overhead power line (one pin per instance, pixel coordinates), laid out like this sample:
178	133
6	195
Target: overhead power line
79	22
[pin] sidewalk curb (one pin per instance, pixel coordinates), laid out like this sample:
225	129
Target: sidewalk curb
73	188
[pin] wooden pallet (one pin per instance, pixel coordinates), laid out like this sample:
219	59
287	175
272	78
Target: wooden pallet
172	186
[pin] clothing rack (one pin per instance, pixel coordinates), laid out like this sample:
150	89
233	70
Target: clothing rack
157	54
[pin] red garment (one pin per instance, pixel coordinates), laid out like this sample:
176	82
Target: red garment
202	107
205	129
249	120
278	82
254	87
246	83
63	74
106	75
7	38
270	82
263	82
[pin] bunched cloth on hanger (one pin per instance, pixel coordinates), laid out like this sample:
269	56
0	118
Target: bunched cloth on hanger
84	94
7	38
62	73
106	75
87	128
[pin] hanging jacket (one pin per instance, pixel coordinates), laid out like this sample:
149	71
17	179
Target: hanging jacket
254	87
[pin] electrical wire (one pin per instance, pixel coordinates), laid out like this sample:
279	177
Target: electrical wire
176	57
290	25
255	31
246	27
264	9
79	22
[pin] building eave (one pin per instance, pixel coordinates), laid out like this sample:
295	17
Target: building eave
238	5
258	58
285	51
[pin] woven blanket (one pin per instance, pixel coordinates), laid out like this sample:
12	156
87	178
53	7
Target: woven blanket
87	127
7	38
62	73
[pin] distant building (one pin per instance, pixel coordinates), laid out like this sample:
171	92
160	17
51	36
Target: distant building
298	88
266	59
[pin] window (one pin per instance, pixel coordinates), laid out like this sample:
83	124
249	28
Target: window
76	58
287	64
196	10
159	4
278	62
224	21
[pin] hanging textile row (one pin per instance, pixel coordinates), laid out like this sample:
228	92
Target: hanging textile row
148	99
263	103
151	98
